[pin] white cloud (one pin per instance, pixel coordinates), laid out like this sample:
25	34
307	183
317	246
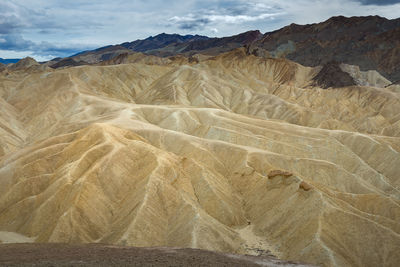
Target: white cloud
241	18
22	54
214	30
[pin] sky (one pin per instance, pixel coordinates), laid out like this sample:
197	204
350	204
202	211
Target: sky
45	29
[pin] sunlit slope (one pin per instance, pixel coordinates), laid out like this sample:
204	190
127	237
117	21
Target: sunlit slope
187	155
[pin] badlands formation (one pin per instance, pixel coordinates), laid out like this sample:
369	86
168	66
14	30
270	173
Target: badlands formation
231	153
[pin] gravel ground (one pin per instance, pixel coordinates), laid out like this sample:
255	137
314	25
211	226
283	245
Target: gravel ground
110	255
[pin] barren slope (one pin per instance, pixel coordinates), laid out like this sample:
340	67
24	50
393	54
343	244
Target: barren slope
187	155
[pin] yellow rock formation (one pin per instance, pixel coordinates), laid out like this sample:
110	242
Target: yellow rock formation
168	153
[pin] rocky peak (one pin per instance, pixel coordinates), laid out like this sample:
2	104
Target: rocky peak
332	76
362	41
24	64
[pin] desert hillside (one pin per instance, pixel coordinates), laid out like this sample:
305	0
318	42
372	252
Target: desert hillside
232	153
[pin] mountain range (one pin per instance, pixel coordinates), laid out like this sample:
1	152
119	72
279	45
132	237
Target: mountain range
372	43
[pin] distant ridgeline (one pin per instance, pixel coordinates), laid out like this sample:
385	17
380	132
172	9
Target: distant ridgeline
8	61
372	43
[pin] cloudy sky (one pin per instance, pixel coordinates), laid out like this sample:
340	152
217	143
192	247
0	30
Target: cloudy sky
45	29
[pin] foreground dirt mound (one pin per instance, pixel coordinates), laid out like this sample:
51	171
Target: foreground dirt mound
107	255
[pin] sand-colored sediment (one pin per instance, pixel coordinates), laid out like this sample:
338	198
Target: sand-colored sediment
179	155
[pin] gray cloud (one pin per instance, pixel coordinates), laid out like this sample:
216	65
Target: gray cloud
16	42
8	25
17	20
9	19
379	2
225	12
189	22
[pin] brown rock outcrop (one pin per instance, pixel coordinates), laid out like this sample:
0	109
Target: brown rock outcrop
305	186
275	173
331	75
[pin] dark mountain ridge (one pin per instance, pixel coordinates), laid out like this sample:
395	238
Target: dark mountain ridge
372	43
165	45
160	41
